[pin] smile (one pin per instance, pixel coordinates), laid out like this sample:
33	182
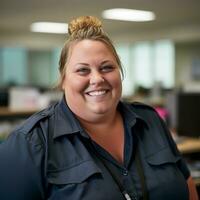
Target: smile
97	93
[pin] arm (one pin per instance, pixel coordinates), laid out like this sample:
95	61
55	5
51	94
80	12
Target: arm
193	195
19	169
192	189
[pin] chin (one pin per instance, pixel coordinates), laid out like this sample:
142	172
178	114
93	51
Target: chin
100	109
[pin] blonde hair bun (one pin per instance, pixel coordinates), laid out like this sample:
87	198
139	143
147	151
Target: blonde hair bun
85	24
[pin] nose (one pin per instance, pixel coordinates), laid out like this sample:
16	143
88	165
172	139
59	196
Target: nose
96	78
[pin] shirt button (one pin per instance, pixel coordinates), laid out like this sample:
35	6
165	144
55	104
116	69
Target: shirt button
125	172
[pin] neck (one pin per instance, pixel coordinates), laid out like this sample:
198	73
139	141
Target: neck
109	134
101	124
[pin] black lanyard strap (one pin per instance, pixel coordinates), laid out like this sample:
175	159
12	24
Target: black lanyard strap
141	174
118	181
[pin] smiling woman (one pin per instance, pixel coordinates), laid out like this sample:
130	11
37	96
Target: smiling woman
91	145
92	81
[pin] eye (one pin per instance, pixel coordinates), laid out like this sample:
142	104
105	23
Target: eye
107	68
83	71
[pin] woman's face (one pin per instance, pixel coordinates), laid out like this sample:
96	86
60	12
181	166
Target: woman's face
92	82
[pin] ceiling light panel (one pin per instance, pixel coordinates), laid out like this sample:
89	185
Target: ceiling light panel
49	27
128	15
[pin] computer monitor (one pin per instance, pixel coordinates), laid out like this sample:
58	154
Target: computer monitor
184	113
187	107
4	97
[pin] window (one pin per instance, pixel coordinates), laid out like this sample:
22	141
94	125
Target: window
147	63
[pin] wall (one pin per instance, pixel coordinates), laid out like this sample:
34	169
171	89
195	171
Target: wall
22	66
13	65
186	54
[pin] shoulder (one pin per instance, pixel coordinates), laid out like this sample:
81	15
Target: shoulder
148	114
35	127
140	105
37	118
142	108
143	112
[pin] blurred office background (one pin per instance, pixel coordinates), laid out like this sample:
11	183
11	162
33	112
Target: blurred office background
161	58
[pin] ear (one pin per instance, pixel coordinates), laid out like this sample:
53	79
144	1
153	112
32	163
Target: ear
62	84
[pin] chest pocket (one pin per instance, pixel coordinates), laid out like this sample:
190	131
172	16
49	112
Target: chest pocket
75	174
163	166
163	157
77	182
164	177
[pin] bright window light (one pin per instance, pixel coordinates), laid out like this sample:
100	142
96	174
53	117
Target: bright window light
49	27
128	15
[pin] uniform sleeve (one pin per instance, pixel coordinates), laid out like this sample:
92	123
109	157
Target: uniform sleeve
20	168
181	162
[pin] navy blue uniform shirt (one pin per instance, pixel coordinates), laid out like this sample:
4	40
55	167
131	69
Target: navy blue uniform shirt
51	157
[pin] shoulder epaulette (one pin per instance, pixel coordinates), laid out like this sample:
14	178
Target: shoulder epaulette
34	119
142	105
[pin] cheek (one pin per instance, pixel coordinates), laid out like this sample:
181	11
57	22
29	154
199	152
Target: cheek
74	85
116	82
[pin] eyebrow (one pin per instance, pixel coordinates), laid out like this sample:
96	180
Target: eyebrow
86	64
106	61
82	64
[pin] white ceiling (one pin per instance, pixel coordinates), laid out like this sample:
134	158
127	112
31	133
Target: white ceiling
175	19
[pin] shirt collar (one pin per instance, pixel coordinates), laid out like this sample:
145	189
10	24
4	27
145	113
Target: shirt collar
65	121
129	115
67	124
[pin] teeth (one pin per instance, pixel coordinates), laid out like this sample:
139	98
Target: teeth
97	93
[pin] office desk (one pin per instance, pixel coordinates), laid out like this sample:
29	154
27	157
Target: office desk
7	114
189	145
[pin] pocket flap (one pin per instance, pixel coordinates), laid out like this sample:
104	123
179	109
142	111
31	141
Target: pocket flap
75	174
162	157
